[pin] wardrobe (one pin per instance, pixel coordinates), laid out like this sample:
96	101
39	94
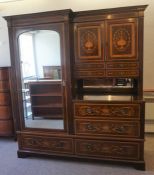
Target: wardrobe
93	110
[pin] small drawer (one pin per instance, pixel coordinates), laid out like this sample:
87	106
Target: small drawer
124	111
122	73
108	149
4	85
6	127
88	66
4	74
4	98
90	73
5	112
122	65
49	144
107	128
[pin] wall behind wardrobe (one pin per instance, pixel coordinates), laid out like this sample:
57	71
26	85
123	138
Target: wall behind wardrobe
32	6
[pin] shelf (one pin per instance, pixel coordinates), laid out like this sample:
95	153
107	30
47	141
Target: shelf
47	94
48	106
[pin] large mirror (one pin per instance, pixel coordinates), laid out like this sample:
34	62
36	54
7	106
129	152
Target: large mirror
41	77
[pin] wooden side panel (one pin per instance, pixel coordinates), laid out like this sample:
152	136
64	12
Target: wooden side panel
6	118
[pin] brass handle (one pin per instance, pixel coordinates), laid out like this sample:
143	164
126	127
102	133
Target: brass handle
59	144
89	147
90	127
120	129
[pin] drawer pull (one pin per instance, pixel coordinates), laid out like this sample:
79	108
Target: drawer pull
89	147
59	145
120	129
90	127
89	111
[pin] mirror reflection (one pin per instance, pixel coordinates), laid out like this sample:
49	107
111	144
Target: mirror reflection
41	79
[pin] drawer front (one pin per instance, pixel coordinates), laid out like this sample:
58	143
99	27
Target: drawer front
53	144
122	65
6	127
122	73
4	85
5	112
4	99
107	128
107	110
108	149
90	73
4	74
88	66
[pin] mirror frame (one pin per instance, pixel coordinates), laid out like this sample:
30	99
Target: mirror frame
57	21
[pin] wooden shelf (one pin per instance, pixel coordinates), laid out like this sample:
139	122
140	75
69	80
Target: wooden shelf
48	106
47	94
46	98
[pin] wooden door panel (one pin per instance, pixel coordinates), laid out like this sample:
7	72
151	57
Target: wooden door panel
122	39
89	40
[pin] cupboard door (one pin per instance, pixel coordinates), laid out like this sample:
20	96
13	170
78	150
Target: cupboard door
122	41
89	42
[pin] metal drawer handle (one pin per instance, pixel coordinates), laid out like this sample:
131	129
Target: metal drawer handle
120	129
90	127
59	145
89	110
89	147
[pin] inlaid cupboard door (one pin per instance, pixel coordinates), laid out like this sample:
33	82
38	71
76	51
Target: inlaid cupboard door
89	41
122	40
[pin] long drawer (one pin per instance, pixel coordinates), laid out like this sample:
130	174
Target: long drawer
50	144
4	99
5	112
108	128
123	111
108	149
6	127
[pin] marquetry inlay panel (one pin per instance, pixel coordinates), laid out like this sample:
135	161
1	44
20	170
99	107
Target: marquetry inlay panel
108	149
106	110
122	65
107	127
89	42
122	73
90	73
123	40
53	144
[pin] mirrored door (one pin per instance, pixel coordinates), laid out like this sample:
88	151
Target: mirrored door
41	78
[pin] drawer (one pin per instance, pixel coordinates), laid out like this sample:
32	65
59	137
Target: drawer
122	65
4	74
107	128
4	98
6	127
122	73
108	149
90	73
123	111
49	144
5	112
4	85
